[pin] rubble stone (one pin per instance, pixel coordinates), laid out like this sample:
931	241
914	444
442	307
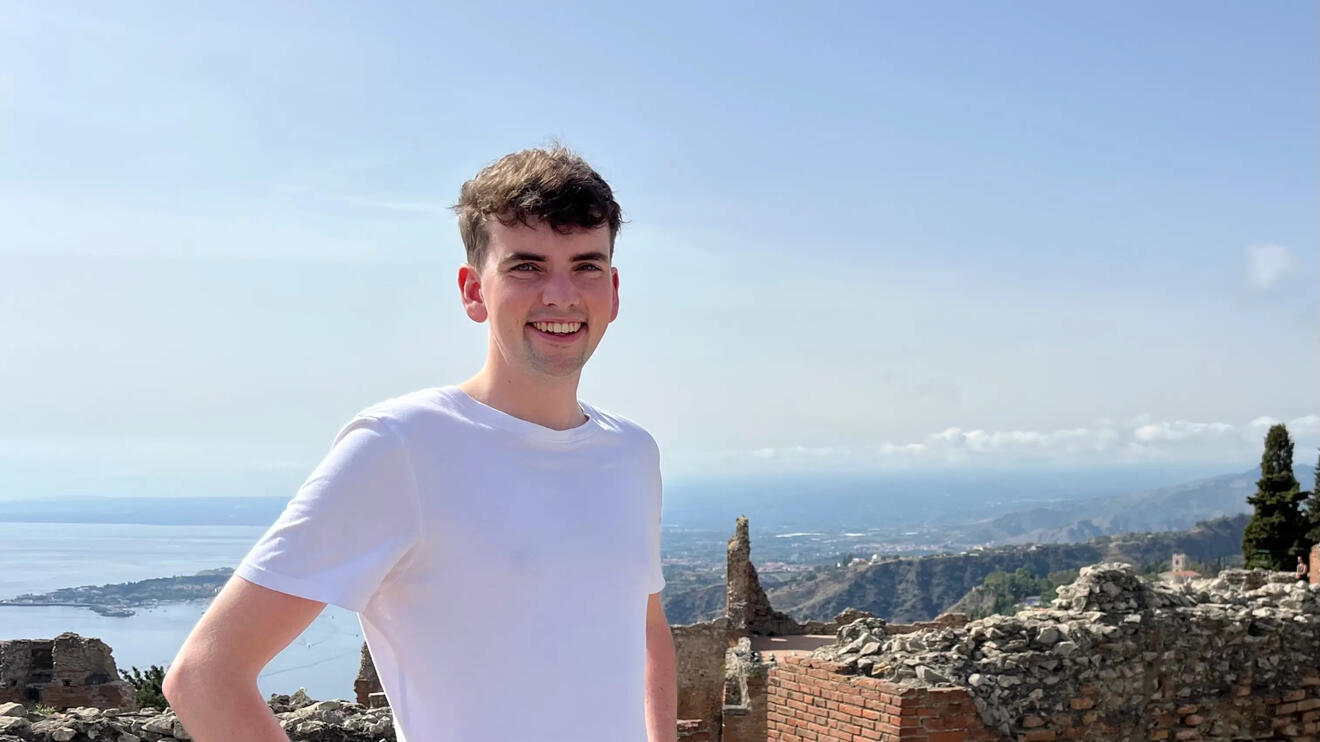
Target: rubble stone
303	719
1110	643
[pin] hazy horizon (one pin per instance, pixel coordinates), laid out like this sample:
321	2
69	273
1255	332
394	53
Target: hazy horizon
1034	482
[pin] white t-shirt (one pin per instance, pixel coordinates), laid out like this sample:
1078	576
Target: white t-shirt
500	569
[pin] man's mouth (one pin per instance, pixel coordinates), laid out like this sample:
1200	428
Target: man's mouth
559	329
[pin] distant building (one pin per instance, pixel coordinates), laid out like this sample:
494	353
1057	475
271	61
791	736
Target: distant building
1178	571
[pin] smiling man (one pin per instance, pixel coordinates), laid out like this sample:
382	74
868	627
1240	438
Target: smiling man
498	538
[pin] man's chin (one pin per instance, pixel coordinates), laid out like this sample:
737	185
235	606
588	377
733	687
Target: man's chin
560	367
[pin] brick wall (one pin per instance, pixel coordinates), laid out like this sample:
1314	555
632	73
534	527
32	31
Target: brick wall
818	701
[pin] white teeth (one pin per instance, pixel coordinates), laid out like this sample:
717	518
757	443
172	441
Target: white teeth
562	328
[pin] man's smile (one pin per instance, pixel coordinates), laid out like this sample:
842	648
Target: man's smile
560	332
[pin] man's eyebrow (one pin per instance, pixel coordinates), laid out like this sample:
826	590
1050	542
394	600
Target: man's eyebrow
524	256
519	256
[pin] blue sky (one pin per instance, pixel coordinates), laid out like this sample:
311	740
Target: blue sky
861	236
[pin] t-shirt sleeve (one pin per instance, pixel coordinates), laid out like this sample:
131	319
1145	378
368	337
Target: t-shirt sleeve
354	520
655	576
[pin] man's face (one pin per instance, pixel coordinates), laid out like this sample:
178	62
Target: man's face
533	276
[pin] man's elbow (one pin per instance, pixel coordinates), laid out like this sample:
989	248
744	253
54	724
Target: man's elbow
184	682
175	685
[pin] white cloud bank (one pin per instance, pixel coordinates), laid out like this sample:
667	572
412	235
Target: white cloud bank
1138	441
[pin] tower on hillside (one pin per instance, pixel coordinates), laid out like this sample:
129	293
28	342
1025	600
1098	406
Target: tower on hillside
1179	563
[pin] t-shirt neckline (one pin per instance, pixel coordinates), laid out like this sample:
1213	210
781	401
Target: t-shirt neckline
504	421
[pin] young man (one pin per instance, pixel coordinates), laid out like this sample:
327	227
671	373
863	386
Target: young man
499	538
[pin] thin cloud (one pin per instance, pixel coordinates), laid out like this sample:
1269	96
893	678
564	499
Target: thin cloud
1140	440
1267	264
1180	430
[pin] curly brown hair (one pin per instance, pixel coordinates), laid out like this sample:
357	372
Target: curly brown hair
555	185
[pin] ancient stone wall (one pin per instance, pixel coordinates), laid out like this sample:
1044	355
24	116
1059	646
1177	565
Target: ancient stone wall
942	621
745	699
699	655
747	607
63	672
367	682
302	719
1237	657
695	730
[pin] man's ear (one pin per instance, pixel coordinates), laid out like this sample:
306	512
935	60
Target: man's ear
614	311
469	287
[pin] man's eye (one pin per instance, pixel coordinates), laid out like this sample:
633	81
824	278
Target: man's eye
592	266
521	265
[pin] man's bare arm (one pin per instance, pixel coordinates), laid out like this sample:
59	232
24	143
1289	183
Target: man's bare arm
212	683
661	676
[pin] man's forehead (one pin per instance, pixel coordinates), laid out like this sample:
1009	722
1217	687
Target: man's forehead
540	238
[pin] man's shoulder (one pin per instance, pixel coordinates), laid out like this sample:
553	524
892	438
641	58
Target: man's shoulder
406	405
624	427
402	414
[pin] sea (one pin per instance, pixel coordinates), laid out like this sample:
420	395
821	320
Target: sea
41	557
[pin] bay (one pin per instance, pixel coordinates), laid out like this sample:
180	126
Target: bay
41	557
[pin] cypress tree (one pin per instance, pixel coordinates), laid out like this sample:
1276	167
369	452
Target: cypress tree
1277	532
1313	509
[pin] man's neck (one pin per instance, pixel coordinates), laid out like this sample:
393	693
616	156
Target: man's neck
549	402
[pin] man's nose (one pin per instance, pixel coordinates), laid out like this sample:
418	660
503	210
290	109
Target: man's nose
559	290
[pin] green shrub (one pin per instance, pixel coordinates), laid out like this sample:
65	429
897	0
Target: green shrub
148	686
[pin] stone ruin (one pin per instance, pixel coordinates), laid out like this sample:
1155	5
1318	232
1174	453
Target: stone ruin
68	670
1118	657
747	606
1114	657
302	719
